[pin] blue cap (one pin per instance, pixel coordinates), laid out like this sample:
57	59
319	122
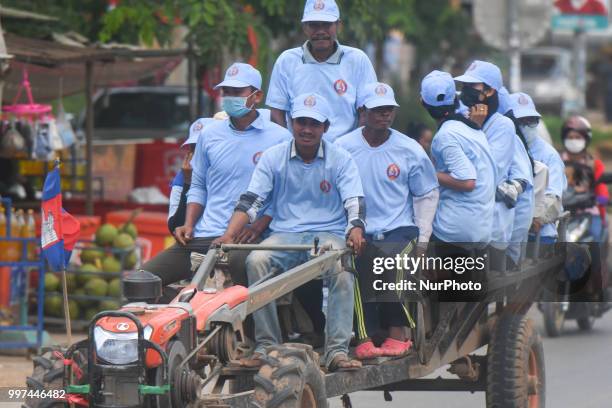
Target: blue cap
195	129
376	94
310	105
321	10
438	89
483	72
522	106
240	75
504	100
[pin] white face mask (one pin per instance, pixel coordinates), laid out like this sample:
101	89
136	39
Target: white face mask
530	134
575	146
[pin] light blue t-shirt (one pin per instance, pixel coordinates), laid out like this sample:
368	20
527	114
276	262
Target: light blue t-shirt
307	197
523	212
463	152
557	182
338	80
391	174
222	164
501	135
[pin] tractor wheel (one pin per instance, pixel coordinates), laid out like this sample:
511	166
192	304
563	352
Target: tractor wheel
554	318
290	378
48	374
176	354
515	365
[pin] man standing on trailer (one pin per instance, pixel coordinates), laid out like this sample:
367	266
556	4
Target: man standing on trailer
324	66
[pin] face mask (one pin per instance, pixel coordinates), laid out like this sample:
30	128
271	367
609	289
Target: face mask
439	112
575	146
235	106
470	96
530	134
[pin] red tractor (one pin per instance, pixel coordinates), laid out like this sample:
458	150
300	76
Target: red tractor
163	355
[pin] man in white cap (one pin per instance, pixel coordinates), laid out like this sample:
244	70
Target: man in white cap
321	65
401	193
481	83
315	191
225	156
466	168
549	208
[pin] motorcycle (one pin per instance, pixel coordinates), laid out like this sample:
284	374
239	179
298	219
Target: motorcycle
582	294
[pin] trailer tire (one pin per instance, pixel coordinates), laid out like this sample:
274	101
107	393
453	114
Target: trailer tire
515	365
48	374
290	378
554	318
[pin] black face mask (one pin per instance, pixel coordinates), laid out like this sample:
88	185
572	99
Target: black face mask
470	96
493	103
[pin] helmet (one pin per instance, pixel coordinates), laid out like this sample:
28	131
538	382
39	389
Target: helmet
579	124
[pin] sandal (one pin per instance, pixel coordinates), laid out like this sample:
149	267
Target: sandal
341	362
395	348
367	351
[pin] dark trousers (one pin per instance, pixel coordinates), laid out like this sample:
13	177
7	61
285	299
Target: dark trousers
374	311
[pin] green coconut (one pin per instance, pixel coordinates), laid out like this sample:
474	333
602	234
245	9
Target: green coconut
52	282
114	288
129	228
109	305
96	287
111	264
106	234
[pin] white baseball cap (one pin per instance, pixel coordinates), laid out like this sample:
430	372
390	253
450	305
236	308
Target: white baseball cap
377	94
321	10
522	106
310	105
240	75
483	72
438	89
195	129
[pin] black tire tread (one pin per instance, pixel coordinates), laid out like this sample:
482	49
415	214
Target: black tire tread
287	369
507	362
47	375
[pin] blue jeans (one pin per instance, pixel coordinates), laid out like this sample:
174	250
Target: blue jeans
340	283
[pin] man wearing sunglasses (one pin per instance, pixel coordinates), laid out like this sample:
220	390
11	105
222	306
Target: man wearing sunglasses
321	65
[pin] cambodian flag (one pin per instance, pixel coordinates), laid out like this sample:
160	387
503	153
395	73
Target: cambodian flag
60	230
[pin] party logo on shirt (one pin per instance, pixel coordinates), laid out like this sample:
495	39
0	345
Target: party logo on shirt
310	101
256	157
233	71
340	86
325	186
319	5
380	90
393	171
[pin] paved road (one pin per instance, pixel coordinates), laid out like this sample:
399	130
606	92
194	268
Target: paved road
578	375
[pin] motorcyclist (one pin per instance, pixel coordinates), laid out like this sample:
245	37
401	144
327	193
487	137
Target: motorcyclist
576	135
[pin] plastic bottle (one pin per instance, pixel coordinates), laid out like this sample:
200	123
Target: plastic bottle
13	247
2	234
30	232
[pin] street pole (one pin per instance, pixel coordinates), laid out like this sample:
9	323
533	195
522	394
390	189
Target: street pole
89	129
514	45
580	56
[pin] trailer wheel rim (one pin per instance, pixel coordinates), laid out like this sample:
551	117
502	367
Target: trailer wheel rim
533	380
308	398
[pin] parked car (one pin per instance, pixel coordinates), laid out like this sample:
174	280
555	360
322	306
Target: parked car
547	76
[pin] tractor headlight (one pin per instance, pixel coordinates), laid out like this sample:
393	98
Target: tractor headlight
116	348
